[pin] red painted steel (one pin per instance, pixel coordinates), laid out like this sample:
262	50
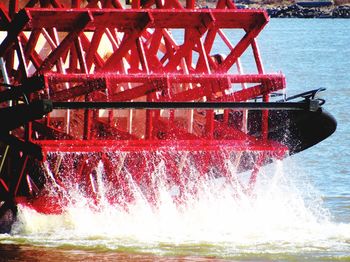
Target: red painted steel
154	51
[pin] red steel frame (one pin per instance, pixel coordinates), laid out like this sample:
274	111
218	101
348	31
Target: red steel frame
102	51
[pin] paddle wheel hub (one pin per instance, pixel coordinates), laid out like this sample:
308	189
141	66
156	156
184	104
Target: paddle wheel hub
128	88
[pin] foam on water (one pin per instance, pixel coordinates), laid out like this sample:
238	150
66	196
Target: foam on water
284	214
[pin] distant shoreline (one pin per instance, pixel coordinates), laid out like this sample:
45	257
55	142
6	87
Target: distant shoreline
295	10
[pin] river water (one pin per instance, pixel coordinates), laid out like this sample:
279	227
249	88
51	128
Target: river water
300	210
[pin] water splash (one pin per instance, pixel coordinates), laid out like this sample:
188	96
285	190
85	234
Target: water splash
284	213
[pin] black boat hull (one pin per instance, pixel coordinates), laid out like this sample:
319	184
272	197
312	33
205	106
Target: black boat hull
296	129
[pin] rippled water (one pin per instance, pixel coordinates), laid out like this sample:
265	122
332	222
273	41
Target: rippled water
300	210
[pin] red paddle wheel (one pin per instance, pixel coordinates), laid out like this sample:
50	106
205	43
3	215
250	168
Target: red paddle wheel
131	88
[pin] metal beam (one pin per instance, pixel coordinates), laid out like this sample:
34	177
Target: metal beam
304	105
